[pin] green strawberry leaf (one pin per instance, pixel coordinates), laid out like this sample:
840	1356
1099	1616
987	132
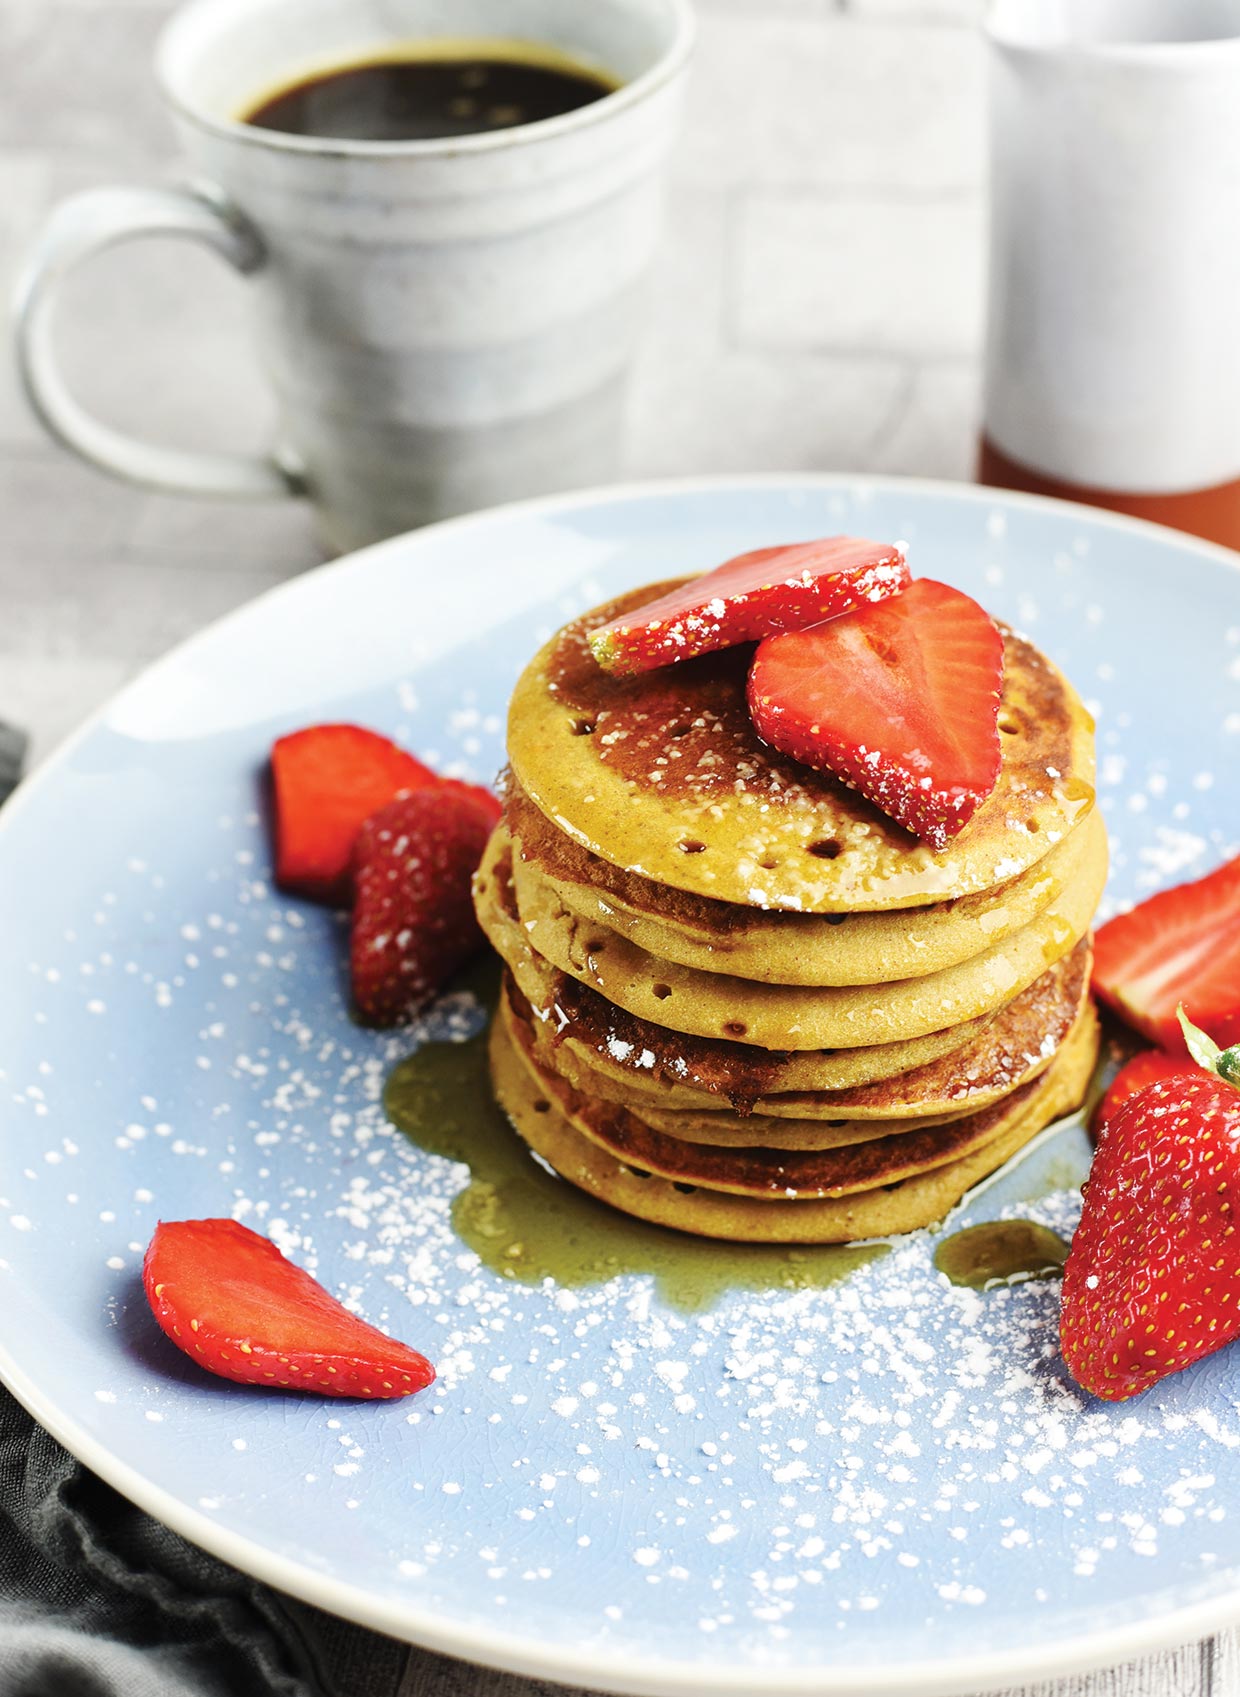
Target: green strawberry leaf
1223	1063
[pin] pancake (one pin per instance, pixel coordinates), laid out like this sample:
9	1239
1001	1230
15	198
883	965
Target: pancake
786	948
735	1072
771	1016
731	1130
741	1131
903	1207
775	1174
1014	1046
664	775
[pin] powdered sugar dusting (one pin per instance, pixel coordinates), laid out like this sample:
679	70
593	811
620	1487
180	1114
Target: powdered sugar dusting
777	1461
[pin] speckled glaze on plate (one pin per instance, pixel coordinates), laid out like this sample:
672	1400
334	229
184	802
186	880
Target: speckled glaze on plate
882	1486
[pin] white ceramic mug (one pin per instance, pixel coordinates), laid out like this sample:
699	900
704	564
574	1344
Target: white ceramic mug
446	324
1113	357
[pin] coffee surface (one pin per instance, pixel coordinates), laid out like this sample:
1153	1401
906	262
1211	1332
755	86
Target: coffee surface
431	97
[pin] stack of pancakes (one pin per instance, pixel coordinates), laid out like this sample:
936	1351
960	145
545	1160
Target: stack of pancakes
740	1000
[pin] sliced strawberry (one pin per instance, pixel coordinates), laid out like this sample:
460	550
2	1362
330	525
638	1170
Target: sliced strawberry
413	916
899	699
750	597
1182	945
1149	1067
1152	1282
328	779
229	1299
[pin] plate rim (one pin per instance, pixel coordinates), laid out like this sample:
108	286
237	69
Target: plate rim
509	1651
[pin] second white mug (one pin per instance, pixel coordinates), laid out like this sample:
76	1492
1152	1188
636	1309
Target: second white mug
447	323
1113	358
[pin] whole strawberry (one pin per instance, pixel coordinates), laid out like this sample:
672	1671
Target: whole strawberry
1152	1282
413	916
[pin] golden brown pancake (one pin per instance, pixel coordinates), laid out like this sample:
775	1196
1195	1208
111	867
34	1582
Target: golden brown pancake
902	1207
779	1016
733	1071
1016	1044
786	948
780	1174
736	1130
665	776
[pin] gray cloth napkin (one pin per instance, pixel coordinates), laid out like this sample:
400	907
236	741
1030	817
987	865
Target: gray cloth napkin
13	745
99	1600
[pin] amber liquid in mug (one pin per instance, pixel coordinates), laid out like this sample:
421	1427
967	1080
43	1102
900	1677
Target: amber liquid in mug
431	91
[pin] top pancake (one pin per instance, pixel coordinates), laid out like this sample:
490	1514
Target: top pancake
664	775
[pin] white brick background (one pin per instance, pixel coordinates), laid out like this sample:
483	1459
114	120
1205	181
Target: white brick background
818	306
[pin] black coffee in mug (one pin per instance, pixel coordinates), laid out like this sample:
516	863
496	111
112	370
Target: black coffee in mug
424	92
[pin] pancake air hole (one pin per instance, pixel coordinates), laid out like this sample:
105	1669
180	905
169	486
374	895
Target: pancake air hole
736	1028
768	865
639	1172
680	730
595	946
1009	727
836	918
542	1106
685	1189
662	991
837	1122
827	848
1031	825
690	845
582	727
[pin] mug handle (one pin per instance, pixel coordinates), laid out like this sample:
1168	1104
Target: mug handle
81	226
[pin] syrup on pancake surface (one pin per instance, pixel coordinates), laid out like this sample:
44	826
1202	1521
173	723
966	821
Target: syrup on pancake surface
664	774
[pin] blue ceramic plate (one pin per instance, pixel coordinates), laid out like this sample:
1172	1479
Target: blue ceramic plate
882	1486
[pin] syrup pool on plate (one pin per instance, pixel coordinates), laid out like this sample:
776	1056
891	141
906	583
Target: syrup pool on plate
526	1224
1001	1252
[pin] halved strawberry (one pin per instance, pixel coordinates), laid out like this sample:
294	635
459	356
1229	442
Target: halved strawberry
227	1297
1152	1282
1151	1066
413	917
752	596
328	779
899	699
1182	945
